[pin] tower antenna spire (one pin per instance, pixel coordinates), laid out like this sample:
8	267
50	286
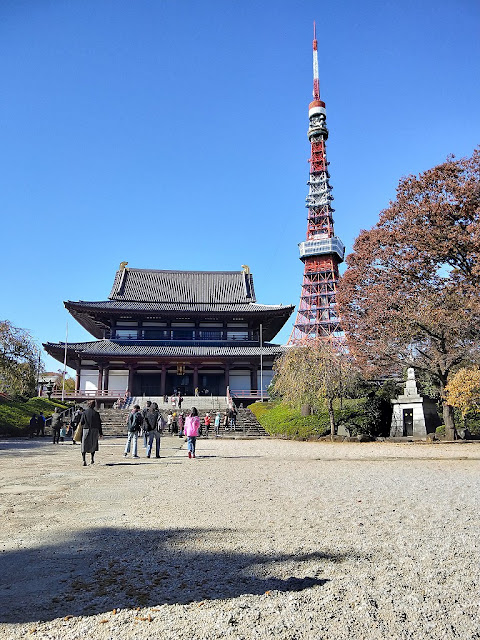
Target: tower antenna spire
316	81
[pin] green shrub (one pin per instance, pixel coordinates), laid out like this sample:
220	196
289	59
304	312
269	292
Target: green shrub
15	415
281	419
472	422
440	431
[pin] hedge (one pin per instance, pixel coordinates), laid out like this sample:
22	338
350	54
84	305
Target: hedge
281	419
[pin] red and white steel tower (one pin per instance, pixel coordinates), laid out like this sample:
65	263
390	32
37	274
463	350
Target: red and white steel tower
322	251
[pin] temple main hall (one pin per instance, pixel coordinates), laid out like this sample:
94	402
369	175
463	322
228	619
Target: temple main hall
165	331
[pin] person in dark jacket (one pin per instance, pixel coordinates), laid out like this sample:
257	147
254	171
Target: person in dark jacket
152	429
57	423
33	426
91	430
134	425
41	424
144	424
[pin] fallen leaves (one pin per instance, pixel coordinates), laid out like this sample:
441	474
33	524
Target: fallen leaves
144	618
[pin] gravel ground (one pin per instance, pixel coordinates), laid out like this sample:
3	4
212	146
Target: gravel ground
252	539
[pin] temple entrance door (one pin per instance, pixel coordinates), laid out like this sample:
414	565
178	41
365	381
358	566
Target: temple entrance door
211	384
147	384
183	383
408	422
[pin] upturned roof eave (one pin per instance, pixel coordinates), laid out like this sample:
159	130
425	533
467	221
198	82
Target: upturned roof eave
95	318
111	350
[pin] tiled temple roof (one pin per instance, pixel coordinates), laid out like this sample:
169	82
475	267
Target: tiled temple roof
152	294
176	287
142	348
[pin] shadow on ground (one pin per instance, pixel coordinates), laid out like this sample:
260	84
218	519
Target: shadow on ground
102	569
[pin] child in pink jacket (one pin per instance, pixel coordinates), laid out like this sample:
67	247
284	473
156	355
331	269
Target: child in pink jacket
192	427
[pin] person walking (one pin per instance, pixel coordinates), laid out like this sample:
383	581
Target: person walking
192	427
232	414
174	423
150	428
91	430
225	421
179	400
33	426
217	424
134	424
145	410
57	423
181	424
41	424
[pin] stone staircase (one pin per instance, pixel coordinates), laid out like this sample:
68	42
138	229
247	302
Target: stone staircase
248	425
114	421
202	403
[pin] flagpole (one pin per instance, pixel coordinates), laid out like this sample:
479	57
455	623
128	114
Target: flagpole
64	364
261	362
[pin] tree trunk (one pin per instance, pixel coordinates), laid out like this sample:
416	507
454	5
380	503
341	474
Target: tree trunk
305	410
448	421
331	415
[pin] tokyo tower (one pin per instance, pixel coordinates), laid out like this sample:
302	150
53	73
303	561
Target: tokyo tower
322	251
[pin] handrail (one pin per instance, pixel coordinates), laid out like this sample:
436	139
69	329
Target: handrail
179	335
61	414
89	393
248	393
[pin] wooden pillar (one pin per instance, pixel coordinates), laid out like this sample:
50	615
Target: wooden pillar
131	371
105	377
253	377
195	377
100	378
163	380
77	376
227	375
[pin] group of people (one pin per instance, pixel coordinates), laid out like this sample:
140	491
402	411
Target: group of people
151	423
87	421
37	425
176	399
61	428
124	401
87	425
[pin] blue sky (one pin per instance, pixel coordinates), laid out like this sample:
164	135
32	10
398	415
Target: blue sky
172	134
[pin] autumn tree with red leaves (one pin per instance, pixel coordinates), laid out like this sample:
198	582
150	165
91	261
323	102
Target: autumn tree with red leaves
410	295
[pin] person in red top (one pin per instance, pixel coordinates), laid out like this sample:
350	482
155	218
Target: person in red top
192	427
207	421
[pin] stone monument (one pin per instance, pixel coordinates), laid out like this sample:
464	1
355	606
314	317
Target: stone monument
413	415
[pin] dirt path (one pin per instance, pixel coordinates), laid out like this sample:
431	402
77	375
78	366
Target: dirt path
252	539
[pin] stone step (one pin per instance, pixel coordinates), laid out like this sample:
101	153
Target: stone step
114	421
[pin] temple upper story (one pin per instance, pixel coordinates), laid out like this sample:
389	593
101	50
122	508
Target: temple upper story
151	304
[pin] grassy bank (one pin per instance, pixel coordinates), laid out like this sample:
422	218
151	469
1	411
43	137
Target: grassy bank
15	415
281	420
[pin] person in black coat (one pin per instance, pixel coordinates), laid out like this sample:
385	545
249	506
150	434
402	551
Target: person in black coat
92	429
33	426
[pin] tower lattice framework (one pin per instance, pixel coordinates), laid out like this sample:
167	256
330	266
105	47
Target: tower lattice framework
322	251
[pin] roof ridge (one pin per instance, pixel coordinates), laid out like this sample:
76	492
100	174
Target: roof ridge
180	270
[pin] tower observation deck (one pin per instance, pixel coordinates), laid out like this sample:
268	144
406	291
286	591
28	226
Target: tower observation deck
322	251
